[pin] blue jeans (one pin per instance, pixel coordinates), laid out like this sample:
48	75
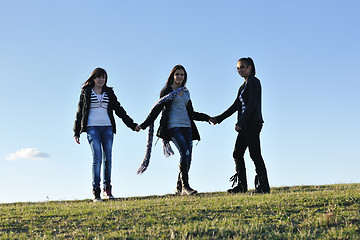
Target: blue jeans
182	138
101	141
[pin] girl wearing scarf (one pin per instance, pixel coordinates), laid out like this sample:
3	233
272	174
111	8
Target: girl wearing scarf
176	125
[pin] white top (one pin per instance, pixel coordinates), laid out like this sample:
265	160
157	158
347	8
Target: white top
98	115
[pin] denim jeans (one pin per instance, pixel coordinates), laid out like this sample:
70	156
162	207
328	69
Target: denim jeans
182	138
101	141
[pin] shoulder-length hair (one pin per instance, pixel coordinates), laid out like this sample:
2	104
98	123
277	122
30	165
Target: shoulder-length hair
98	72
170	79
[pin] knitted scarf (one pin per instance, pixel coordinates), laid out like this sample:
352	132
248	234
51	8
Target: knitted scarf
166	145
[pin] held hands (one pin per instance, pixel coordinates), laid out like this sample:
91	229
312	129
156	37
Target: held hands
213	120
137	128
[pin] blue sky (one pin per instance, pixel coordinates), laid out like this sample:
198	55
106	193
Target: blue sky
307	57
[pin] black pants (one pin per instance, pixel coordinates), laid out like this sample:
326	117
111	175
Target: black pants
249	136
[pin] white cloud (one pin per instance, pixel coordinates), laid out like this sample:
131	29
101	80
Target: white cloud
27	153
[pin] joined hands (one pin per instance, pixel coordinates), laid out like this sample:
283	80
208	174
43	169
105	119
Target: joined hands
137	128
213	120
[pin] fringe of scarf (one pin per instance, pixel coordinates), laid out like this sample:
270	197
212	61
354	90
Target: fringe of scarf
166	145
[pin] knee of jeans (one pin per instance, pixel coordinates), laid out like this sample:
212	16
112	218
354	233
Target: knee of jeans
107	160
97	161
185	154
188	156
89	138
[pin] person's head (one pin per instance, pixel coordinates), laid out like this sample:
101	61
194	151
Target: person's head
98	76
246	67
178	74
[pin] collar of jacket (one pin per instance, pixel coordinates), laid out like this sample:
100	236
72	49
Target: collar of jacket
104	89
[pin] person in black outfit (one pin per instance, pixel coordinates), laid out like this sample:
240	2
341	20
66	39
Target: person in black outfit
248	126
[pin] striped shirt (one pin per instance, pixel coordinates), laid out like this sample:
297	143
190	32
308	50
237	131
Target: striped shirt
98	115
242	100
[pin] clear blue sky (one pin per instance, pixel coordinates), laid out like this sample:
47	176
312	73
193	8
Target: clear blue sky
307	57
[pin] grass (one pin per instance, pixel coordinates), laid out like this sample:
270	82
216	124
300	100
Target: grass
299	212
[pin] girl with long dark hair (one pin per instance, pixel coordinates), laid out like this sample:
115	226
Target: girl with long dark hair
95	116
176	124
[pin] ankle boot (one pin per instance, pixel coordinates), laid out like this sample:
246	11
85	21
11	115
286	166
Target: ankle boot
262	184
107	192
96	192
184	174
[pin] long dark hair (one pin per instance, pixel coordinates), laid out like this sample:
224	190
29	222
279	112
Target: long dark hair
249	62
98	72
170	79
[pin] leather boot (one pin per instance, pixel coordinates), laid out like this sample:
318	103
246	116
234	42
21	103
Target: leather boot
262	183
240	182
178	189
184	174
239	178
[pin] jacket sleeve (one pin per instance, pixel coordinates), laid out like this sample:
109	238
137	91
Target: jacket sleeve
78	117
230	111
254	89
197	116
155	111
121	113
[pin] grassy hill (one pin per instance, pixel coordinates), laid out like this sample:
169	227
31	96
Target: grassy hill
299	212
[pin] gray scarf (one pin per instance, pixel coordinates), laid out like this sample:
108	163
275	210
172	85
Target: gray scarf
166	145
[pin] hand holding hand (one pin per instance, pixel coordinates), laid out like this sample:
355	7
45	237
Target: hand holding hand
213	120
137	128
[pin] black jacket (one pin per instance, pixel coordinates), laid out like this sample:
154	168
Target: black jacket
82	113
163	128
252	99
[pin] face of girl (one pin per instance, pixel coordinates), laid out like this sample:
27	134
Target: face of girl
179	77
100	81
243	69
